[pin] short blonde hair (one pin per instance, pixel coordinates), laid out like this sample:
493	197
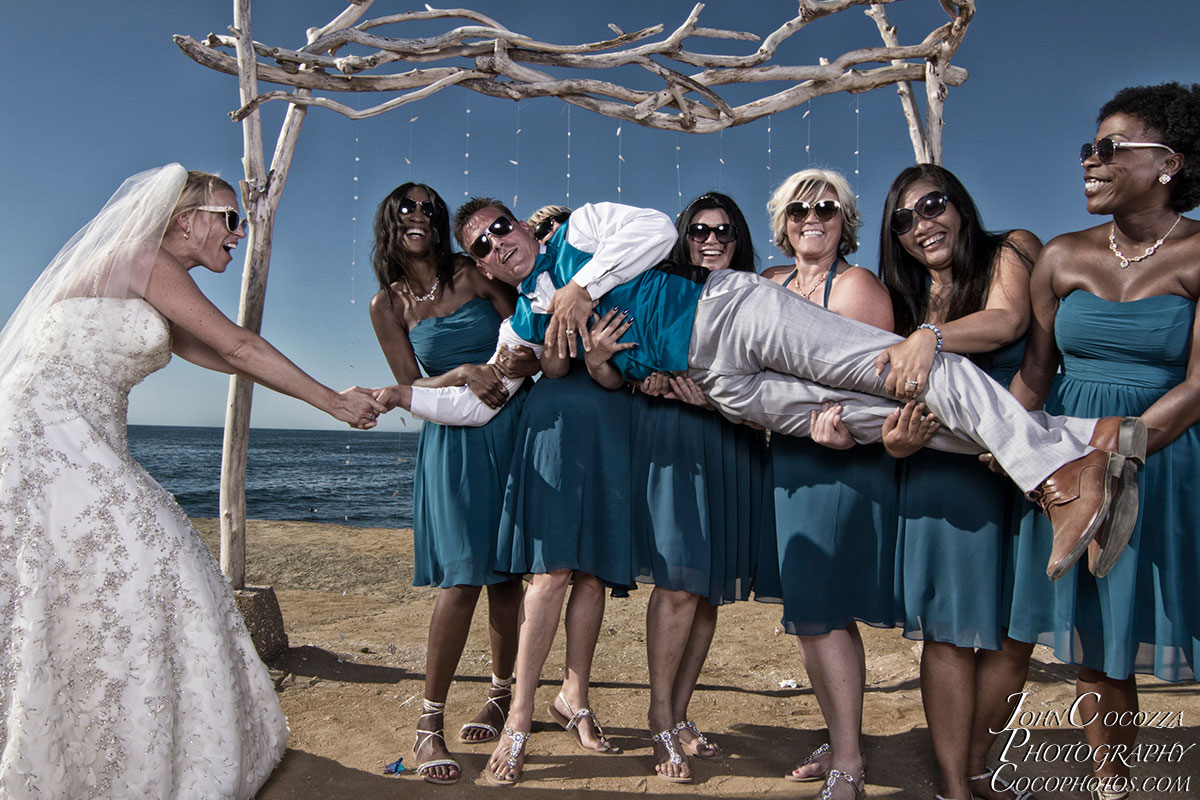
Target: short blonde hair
808	185
546	212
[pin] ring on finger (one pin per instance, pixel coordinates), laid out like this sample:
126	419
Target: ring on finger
912	383
571	331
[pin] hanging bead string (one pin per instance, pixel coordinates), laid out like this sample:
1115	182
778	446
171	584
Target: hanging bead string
516	159
568	156
347	462
408	158
620	161
467	155
857	143
721	161
678	178
770	183
808	143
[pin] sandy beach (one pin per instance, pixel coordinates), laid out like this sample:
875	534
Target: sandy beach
351	685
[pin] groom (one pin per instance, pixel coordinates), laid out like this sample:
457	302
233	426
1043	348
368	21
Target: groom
764	355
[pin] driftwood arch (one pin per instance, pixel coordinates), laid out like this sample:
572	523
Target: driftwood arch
504	64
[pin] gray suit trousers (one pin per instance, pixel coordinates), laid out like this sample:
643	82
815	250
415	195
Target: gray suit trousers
763	354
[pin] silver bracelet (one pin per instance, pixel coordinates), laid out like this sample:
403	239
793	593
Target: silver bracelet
936	332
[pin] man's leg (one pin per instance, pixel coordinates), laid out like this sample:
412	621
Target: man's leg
752	340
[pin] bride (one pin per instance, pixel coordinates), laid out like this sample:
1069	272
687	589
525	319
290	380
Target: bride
125	669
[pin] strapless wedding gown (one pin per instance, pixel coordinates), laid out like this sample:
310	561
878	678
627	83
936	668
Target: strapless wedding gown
125	668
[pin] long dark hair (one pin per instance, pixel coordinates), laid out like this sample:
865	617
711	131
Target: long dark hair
973	258
744	257
387	253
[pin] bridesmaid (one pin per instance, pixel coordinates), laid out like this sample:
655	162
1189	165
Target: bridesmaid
960	289
566	523
834	511
436	313
699	505
1115	310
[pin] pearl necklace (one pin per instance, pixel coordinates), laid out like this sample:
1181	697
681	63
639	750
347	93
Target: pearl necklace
1126	261
437	281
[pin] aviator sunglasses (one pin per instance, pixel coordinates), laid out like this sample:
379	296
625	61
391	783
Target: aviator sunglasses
928	206
1106	148
698	232
825	210
408	205
232	218
481	248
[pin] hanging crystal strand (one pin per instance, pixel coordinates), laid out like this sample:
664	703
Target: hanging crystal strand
857	143
620	161
808	143
721	160
568	156
347	500
516	159
678	178
467	156
408	158
770	233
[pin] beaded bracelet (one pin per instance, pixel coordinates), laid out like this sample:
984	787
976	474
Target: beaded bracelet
936	332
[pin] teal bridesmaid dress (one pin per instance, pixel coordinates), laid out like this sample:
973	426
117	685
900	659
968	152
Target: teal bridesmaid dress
460	471
1144	616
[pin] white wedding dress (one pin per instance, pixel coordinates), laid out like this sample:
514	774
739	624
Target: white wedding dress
125	668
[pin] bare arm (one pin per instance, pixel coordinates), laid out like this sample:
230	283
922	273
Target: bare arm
205	335
1031	384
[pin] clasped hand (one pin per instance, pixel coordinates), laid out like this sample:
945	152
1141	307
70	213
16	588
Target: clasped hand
358	407
571	308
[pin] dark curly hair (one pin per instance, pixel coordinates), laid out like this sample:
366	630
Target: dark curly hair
972	263
744	257
387	253
1173	110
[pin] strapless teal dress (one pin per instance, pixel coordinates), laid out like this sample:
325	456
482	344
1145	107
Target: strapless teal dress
566	505
460	472
956	524
832	558
1144	616
701	499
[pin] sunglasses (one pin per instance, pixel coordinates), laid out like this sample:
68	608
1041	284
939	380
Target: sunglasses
408	205
546	226
698	232
825	210
481	248
1106	148
929	206
232	218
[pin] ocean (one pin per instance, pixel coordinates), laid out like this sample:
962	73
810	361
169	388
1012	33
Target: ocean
361	478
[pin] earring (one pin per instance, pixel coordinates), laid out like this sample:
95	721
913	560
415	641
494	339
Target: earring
187	235
1164	179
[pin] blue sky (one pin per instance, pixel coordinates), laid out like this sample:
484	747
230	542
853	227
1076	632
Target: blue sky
103	93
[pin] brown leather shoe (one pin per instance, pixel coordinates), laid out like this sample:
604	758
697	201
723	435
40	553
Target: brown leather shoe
1077	498
1125	436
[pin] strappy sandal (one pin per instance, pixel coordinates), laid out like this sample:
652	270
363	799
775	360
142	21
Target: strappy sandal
571	725
668	739
423	736
492	701
834	776
516	749
812	758
1000	785
702	742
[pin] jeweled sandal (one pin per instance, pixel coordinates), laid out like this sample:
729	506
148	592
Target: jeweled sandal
667	738
516	749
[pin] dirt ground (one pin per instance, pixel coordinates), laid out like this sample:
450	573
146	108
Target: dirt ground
351	687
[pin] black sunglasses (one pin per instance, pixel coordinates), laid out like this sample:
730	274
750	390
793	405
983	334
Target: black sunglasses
928	206
698	232
232	218
408	205
481	248
825	210
1106	148
546	226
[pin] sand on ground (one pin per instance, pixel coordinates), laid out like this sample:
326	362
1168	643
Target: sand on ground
351	685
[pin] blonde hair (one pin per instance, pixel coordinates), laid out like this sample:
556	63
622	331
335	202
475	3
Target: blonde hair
546	212
808	185
198	190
